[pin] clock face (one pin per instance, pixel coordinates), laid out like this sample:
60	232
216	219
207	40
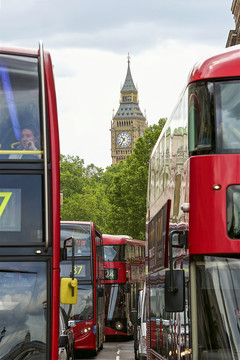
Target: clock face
124	139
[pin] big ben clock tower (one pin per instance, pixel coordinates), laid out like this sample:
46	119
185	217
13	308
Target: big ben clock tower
128	123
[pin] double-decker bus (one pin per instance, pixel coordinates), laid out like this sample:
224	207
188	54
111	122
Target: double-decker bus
194	220
29	206
124	267
88	312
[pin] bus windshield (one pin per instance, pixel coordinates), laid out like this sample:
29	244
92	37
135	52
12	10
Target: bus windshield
115	301
19	112
23	307
214	121
112	252
218	296
83	310
81	235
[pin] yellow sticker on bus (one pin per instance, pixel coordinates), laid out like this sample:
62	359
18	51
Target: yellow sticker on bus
6	196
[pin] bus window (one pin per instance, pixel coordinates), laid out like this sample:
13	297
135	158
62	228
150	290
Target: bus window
19	195
227	110
23	310
81	235
233	211
201	118
19	113
112	253
83	310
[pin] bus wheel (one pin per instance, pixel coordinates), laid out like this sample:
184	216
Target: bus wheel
94	352
136	351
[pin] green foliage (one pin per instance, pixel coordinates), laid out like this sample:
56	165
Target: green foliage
127	196
83	194
115	199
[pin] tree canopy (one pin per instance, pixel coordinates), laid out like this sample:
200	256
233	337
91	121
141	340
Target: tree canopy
115	199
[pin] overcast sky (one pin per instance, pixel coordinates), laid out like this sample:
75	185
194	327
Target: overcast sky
89	41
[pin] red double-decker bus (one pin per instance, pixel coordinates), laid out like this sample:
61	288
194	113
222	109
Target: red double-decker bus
88	312
124	267
193	220
29	206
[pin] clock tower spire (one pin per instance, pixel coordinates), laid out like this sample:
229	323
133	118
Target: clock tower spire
128	123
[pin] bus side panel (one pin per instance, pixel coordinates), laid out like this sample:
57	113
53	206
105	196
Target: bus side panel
208	224
55	313
55	193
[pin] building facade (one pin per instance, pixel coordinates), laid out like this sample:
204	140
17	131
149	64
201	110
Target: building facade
128	123
234	35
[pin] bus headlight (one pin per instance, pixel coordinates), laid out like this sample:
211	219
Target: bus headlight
119	325
85	330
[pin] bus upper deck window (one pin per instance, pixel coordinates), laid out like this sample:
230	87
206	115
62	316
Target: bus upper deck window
233	211
201	118
228	119
20	127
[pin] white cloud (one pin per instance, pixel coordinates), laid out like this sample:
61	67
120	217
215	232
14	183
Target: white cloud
89	42
86	101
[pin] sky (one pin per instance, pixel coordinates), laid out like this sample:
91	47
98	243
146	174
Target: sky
89	41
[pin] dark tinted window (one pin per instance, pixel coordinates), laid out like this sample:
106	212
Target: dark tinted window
201	118
21	209
233	211
82	269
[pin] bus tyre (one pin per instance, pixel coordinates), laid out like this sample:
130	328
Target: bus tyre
136	352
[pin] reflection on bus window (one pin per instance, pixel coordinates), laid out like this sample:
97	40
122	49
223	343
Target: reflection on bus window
115	301
201	118
23	299
81	235
19	108
228	126
83	310
218	295
112	253
233	211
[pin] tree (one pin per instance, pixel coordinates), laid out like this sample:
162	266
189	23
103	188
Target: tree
84	197
127	195
115	199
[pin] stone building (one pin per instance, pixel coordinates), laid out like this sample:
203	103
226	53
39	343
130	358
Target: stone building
234	35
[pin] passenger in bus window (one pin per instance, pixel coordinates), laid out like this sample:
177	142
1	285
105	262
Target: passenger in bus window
29	141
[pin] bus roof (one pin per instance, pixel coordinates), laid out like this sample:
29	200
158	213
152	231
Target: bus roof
225	64
65	222
18	51
121	239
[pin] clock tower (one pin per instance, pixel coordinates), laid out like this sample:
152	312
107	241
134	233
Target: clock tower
128	123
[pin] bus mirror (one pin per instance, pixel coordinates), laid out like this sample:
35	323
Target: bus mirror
63	340
174	290
100	292
63	253
133	317
68	291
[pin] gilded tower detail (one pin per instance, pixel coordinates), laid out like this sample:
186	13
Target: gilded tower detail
128	123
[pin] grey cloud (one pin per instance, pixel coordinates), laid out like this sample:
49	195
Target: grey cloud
113	24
